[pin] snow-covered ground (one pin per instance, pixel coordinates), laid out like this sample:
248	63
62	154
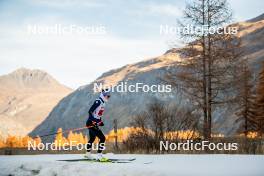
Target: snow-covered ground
162	165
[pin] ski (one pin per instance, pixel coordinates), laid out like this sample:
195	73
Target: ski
113	160
122	159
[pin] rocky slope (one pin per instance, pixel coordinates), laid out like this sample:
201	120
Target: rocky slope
26	98
72	111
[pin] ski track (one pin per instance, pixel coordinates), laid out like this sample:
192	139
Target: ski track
162	165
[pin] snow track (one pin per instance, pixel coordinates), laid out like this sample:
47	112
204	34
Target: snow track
162	165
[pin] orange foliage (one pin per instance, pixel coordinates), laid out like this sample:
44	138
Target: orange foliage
250	134
121	135
2	142
186	134
22	142
76	138
72	138
59	139
17	141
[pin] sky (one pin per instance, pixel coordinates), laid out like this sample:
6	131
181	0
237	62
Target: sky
118	32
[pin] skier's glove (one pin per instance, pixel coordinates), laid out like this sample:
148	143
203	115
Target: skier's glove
91	123
101	123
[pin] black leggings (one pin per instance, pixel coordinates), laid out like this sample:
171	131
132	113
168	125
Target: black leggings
93	133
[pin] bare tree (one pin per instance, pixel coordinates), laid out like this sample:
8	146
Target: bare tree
157	121
206	76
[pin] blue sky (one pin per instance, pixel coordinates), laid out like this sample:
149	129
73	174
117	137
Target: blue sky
132	34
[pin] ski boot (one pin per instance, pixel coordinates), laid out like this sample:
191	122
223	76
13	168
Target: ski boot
101	158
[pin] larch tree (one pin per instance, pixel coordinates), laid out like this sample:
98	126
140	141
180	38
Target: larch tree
206	75
246	99
259	108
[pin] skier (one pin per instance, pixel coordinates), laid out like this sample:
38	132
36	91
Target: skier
93	122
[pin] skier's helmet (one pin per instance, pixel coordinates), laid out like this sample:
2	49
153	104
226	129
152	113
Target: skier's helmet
106	93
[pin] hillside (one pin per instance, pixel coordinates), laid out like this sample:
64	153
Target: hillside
72	111
26	98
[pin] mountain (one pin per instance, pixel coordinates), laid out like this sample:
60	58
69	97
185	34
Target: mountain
72	111
251	33
26	98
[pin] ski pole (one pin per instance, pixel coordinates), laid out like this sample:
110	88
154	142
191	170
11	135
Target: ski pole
74	129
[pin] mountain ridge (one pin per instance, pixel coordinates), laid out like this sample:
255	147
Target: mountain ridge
26	98
23	78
